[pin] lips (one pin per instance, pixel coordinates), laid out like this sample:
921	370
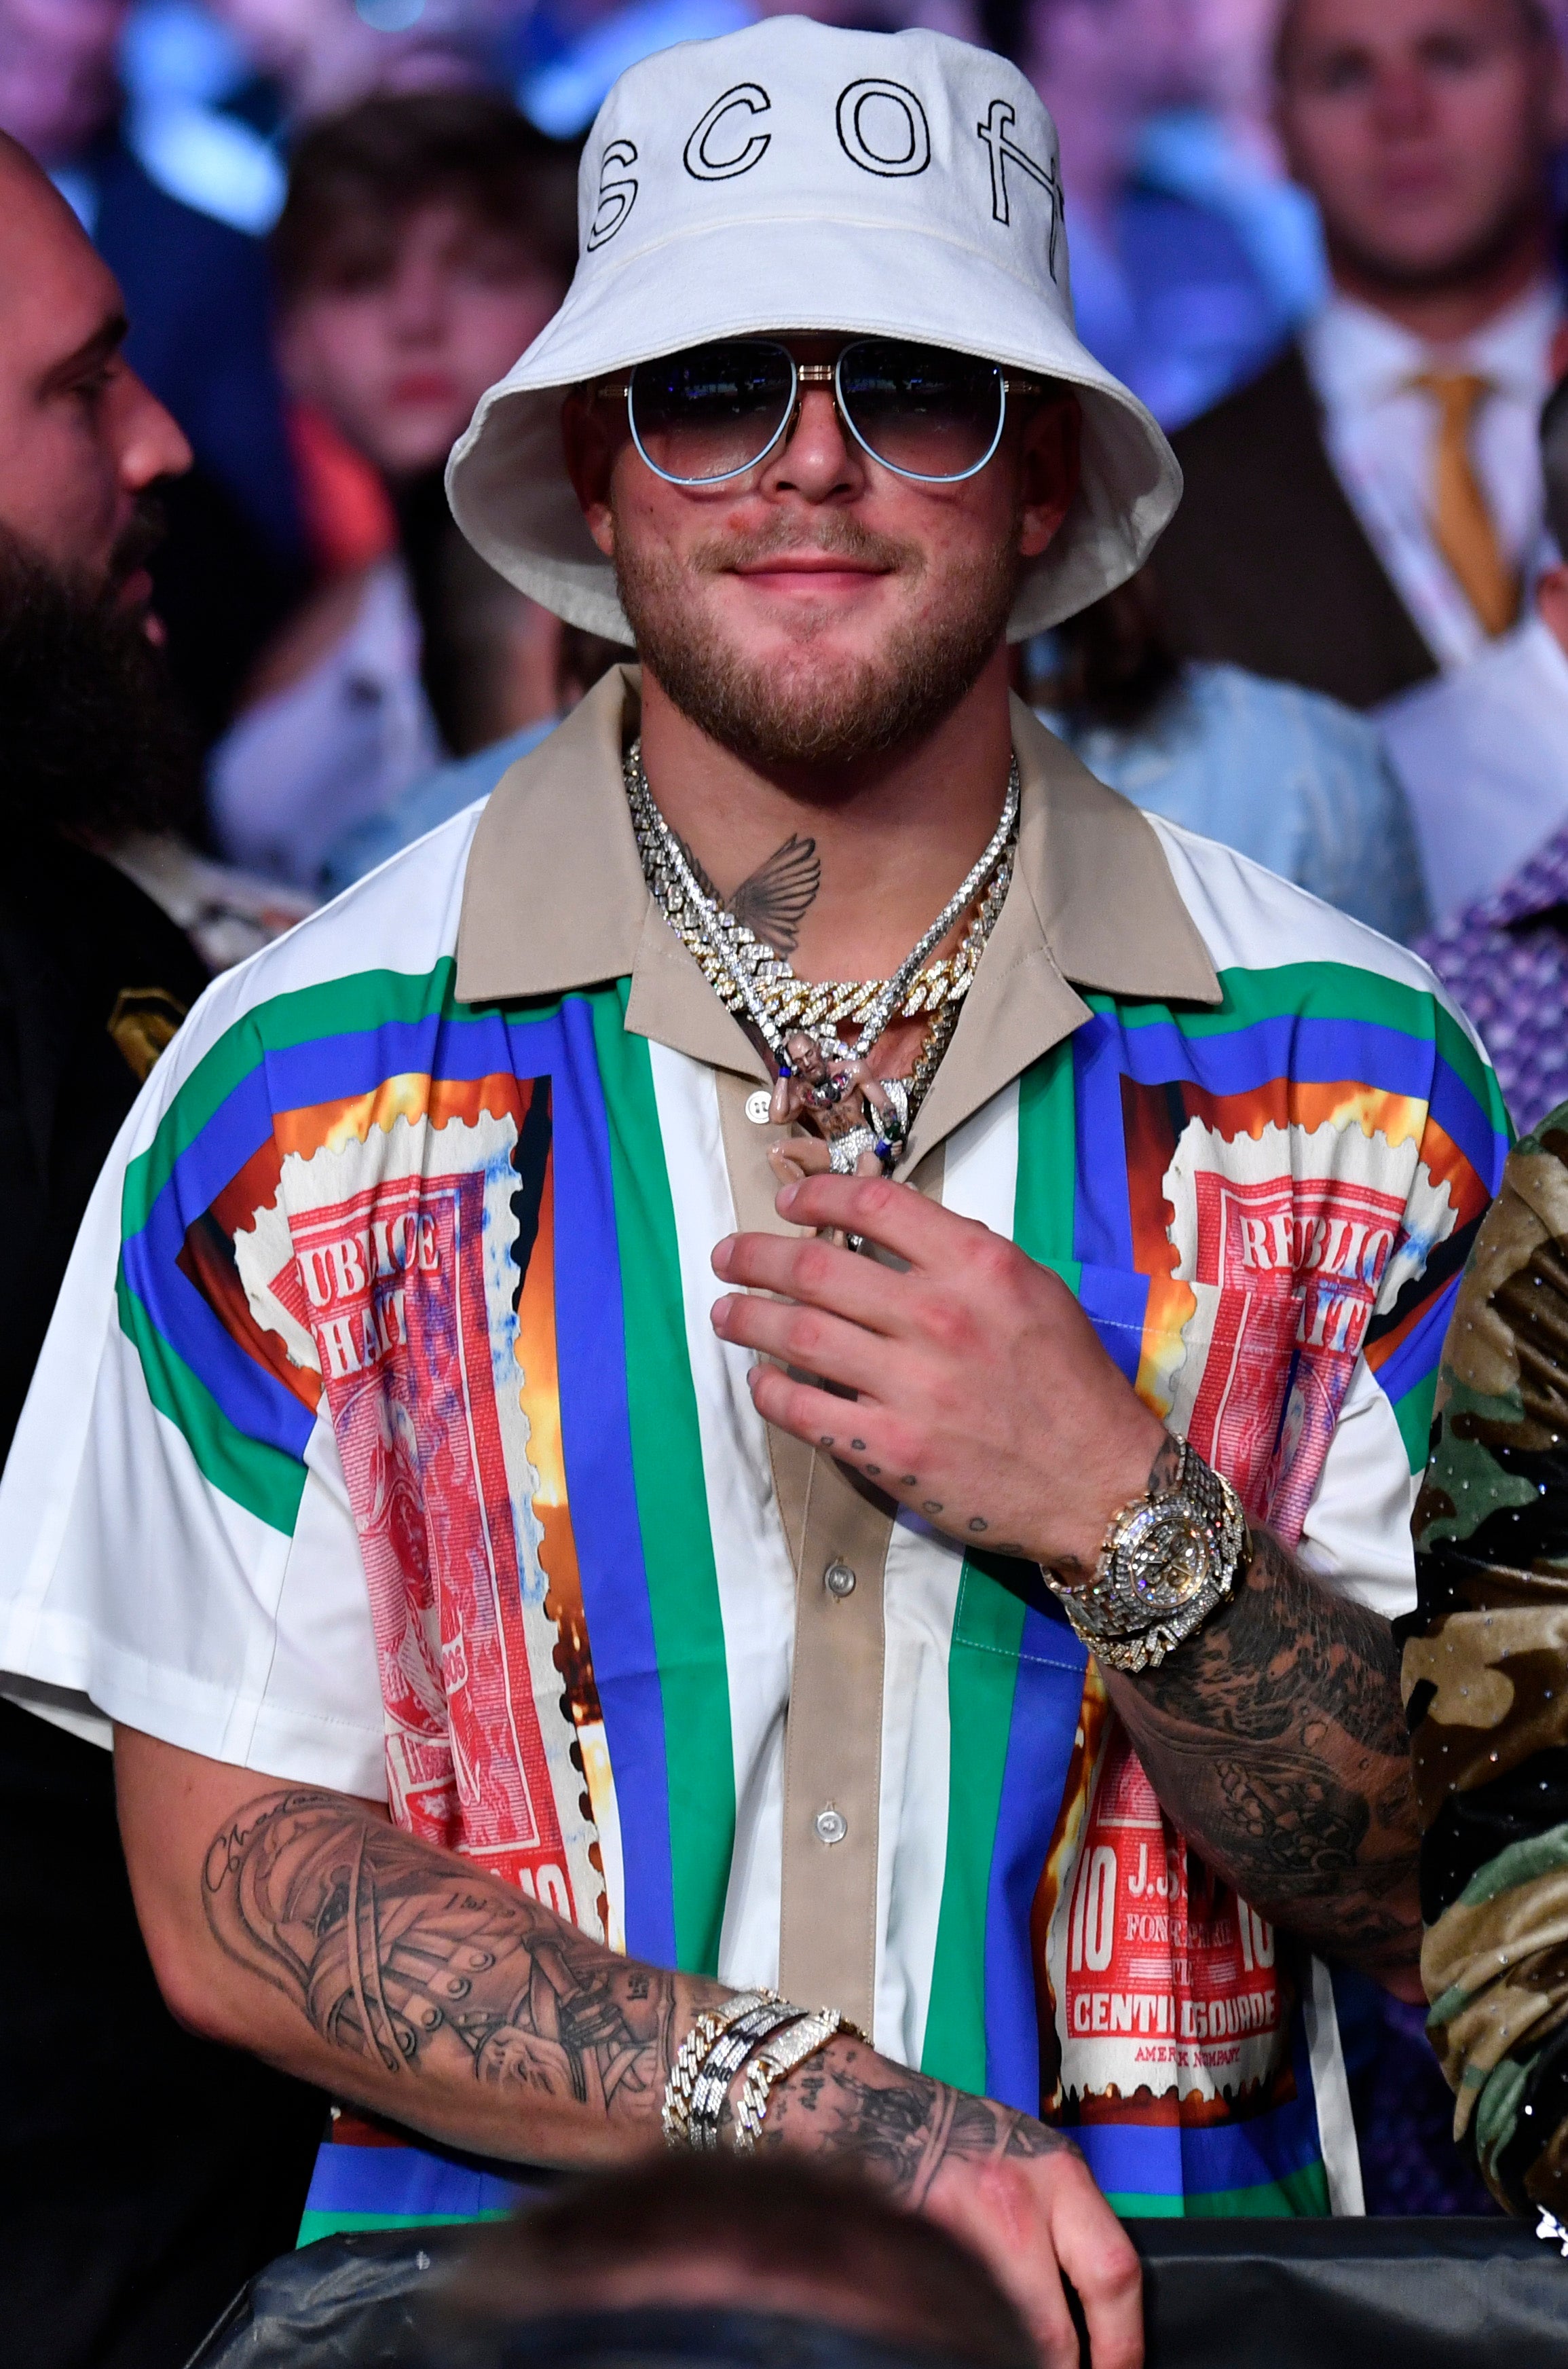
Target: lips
423	386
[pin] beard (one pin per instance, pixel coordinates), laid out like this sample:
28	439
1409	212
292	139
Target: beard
814	707
92	743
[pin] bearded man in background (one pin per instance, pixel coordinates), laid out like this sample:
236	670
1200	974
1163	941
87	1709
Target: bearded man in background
143	2173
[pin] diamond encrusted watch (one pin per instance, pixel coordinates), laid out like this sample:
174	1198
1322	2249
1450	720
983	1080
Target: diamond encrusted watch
1168	1562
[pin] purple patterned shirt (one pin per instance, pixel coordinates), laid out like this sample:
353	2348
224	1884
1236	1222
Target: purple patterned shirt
1505	958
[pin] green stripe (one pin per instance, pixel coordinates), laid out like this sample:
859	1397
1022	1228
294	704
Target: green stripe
1301	2195
983	1669
331	2225
1325	990
672	1496
266	1481
1413	1413
369	999
1523	1862
988	1621
1046	1198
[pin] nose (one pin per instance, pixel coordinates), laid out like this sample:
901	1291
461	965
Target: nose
819	460
150	442
417	309
1401	100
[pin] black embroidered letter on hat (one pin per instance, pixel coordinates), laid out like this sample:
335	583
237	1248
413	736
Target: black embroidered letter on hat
1004	152
695	158
616	197
882	128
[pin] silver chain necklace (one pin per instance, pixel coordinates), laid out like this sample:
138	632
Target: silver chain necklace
734	960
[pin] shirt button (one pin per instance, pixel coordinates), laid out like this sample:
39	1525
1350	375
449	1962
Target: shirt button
838	1579
832	1826
758	1107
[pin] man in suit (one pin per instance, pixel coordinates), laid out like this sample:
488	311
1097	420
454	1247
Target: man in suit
1363	513
143	2174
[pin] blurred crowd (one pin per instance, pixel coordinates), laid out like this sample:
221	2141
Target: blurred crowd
1329	243
1322	246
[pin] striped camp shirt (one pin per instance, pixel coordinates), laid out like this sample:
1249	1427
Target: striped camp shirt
382	1441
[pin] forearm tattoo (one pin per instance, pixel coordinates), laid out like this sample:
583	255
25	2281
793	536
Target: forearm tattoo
404	1956
1276	1738
418	1967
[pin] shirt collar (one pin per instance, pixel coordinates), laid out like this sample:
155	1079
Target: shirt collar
554	899
1356	356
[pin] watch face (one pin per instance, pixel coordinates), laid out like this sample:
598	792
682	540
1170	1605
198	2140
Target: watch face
1165	1558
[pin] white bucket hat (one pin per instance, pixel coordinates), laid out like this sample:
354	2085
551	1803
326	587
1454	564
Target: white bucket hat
797	177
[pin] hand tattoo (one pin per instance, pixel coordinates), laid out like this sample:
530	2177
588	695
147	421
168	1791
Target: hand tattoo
402	1955
900	2127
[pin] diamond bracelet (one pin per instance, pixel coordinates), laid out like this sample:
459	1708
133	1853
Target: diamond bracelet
692	2053
774	2061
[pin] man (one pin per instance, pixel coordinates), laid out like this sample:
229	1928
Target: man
1167	291
701	2259
1484	754
197	295
1484	1681
143	2174
454	1513
1363	514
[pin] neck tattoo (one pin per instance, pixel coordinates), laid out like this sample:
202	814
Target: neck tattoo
821	1077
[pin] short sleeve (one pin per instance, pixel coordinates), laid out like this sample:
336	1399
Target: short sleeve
181	1547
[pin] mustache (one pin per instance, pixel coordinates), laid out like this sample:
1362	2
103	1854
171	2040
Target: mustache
831	538
142	536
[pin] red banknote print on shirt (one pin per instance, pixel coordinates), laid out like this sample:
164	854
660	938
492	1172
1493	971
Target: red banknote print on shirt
397	1283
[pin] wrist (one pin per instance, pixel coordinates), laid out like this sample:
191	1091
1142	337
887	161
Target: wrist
1172	1555
1135	1467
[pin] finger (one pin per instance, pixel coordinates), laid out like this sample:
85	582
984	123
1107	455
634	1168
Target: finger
892	1215
810	1338
818	1275
850	1429
997	2213
1098	2255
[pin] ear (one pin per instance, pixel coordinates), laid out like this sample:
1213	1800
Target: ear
593	433
1048	471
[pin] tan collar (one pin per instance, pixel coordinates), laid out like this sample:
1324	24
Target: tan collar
554	899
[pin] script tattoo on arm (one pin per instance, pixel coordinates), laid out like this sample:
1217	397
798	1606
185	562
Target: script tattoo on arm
1276	1738
771	901
406	1957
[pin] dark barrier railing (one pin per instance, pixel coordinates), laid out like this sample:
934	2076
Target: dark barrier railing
1219	2294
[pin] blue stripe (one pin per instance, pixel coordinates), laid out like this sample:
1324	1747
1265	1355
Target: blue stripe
596	1427
1418	1355
410	2181
1469	1126
1102	1216
1163	2159
1047	1697
1117	1301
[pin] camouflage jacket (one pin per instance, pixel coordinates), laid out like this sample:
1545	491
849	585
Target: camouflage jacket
1485	1676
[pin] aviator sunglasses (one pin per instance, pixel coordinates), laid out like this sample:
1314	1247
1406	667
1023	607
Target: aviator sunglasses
715	411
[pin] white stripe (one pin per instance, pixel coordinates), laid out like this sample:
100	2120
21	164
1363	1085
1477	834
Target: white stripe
1331	2087
756	1584
920	1600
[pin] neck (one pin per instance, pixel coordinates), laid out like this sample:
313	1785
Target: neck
1444	314
894	834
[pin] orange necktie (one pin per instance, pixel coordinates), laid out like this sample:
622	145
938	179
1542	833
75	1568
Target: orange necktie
1461	522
